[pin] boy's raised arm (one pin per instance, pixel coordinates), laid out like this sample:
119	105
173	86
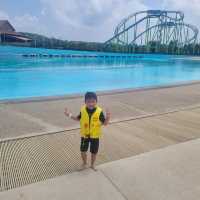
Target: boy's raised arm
69	114
107	120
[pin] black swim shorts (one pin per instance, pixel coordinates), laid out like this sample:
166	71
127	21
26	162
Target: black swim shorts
93	142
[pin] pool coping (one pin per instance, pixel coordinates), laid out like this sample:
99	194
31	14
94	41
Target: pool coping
99	93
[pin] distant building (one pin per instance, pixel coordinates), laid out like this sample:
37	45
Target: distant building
8	33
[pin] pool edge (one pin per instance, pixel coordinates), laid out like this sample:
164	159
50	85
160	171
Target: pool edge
99	93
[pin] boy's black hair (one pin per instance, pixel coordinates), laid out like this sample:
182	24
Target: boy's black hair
90	95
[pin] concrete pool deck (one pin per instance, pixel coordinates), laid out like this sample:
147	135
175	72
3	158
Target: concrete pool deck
38	117
170	173
143	121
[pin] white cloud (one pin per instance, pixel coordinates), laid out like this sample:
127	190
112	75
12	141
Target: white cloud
78	13
92	12
190	8
91	20
184	5
28	23
25	21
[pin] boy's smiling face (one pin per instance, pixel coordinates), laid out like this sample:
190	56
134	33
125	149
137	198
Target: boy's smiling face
91	103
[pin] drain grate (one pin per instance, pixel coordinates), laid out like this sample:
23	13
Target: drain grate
30	160
33	159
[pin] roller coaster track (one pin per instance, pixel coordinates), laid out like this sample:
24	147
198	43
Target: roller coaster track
154	25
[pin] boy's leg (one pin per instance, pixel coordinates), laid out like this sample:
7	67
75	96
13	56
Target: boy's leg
83	148
84	158
93	159
94	147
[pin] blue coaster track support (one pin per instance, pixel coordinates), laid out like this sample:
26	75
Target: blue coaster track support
160	26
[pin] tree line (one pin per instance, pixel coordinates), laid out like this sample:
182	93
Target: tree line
40	41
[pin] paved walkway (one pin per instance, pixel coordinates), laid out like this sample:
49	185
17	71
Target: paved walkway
171	173
142	121
32	159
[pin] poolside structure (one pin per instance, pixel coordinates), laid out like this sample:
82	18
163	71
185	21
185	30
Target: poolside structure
8	33
154	27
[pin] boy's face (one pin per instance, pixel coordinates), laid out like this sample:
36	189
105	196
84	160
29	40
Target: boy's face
91	103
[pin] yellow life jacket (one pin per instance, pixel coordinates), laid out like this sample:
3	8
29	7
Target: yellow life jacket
90	128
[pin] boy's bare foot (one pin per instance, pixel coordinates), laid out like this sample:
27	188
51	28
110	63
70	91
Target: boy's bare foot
83	166
93	168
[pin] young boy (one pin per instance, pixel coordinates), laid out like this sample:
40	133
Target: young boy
91	119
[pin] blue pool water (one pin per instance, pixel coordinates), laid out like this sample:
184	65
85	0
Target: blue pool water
34	77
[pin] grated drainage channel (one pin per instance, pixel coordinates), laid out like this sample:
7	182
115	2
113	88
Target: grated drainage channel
37	158
34	159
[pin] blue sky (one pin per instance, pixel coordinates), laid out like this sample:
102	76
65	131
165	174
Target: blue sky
89	20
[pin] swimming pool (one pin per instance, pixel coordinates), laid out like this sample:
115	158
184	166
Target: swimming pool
24	77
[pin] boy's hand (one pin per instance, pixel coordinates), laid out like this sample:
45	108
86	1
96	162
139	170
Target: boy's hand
107	117
67	113
108	113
